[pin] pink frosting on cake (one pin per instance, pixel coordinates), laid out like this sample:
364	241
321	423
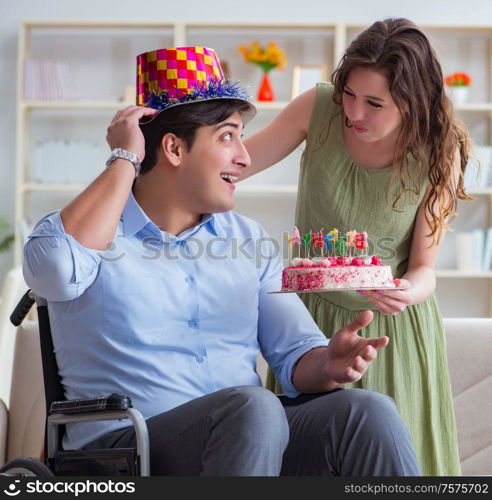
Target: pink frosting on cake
337	276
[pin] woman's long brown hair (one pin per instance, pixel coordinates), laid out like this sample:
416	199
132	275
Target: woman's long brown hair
429	129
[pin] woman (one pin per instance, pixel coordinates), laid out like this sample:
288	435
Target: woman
384	154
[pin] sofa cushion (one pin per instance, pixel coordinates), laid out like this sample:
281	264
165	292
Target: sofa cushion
27	405
12	290
469	345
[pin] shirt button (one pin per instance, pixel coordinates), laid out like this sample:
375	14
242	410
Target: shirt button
199	359
189	279
192	324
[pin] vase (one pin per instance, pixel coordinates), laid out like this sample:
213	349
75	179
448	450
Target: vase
265	91
459	95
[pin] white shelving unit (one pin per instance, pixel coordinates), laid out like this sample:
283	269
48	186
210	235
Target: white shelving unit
108	50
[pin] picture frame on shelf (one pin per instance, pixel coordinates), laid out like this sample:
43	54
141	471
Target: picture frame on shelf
306	76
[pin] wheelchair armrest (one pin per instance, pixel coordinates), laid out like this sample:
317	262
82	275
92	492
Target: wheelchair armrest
111	402
141	432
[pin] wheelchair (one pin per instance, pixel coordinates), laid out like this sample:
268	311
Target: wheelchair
59	412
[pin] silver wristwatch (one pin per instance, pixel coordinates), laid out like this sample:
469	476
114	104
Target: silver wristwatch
126	155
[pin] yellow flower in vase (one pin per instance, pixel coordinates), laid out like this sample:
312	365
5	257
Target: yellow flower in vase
267	58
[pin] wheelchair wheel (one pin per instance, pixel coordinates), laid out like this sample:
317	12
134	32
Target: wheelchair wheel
25	467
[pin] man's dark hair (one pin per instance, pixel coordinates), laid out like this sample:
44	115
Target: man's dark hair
183	121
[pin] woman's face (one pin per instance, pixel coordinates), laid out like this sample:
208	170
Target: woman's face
369	107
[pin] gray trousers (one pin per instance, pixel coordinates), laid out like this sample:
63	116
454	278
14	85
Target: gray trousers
248	431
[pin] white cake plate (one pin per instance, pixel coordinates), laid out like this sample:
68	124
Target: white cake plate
348	288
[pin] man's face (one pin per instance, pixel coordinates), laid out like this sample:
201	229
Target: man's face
211	167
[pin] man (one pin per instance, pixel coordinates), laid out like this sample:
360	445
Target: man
174	311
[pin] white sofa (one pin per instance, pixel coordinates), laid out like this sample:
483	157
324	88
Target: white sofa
469	344
22	423
470	355
12	290
470	365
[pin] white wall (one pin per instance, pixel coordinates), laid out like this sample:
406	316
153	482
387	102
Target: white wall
474	12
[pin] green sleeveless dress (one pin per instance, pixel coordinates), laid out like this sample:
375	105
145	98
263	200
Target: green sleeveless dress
335	192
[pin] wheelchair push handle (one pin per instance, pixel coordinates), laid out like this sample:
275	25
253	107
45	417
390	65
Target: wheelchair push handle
22	308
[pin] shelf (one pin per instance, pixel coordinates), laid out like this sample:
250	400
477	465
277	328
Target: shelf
261	189
292	189
481	190
240	188
115	105
270	106
266	189
48	187
263	106
111	24
454	273
75	104
475	106
94	24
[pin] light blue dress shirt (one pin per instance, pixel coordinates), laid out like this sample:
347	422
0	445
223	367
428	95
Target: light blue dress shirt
165	319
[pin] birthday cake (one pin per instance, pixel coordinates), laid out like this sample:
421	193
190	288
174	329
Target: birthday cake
345	265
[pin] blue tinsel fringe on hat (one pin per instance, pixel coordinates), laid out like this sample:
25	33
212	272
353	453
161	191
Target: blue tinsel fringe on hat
206	90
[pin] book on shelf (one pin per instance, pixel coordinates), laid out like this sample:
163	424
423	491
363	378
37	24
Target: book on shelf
478	239
49	80
474	250
477	173
464	252
487	252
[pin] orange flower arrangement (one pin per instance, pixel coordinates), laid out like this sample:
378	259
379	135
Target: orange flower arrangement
267	58
458	80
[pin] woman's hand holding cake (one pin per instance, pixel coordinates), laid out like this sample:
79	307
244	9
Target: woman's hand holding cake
391	301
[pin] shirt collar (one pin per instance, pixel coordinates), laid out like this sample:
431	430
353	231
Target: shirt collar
134	219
